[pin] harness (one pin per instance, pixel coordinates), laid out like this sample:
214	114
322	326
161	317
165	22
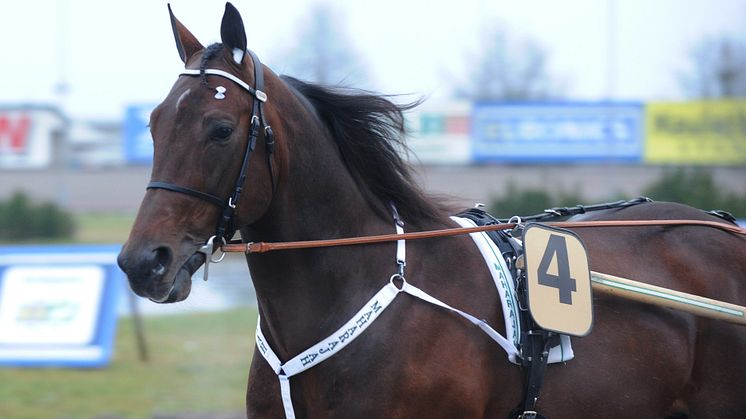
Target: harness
355	326
535	343
225	226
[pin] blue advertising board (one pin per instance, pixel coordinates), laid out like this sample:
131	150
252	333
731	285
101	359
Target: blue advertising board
58	305
557	132
138	144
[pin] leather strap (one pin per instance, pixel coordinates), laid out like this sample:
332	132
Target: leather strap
263	247
215	72
193	192
257	119
269	137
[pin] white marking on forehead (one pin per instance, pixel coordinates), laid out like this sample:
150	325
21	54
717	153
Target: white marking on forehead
183	95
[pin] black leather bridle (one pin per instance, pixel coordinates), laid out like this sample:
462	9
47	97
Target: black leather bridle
225	226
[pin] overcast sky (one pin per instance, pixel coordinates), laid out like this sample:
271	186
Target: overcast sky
111	54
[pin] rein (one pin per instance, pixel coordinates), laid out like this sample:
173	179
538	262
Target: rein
263	247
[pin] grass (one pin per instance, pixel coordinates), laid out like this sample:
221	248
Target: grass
103	227
198	364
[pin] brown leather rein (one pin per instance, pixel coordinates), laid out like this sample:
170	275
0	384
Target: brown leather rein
263	247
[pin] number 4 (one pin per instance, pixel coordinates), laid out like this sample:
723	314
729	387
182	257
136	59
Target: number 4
557	248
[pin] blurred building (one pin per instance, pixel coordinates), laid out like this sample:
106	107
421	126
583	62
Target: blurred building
32	137
598	150
42	137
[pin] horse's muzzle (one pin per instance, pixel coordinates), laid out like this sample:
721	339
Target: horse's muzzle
150	274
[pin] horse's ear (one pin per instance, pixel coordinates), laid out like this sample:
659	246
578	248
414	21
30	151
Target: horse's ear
232	33
186	43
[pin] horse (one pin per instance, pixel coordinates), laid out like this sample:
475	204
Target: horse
330	166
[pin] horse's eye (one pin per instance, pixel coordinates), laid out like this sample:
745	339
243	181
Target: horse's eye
221	132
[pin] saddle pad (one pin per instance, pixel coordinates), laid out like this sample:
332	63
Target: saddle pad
504	283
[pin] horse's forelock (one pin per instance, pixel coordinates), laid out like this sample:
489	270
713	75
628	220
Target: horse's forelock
211	52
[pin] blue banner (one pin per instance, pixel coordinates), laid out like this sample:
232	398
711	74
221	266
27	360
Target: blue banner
58	305
138	144
557	132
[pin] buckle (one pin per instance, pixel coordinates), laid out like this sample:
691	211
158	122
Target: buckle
207	250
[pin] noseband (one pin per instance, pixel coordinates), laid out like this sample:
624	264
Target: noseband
225	227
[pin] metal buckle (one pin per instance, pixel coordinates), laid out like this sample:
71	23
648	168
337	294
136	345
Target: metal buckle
394	277
517	231
207	250
528	414
261	96
222	252
402	264
552	211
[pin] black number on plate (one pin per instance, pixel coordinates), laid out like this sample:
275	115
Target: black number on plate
557	247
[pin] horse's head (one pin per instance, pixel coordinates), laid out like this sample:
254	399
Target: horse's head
203	135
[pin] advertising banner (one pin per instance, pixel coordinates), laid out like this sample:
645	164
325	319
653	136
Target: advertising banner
138	144
58	305
706	132
27	136
440	133
557	132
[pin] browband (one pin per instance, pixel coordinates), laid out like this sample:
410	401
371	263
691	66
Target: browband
215	72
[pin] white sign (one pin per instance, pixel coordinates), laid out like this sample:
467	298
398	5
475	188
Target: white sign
50	305
58	305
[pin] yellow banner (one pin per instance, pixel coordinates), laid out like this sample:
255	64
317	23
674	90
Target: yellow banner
705	132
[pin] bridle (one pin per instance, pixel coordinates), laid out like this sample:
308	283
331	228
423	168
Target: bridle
225	226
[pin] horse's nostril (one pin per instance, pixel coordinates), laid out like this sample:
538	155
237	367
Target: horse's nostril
162	259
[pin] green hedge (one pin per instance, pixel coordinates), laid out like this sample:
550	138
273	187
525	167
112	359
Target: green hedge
694	187
21	219
525	202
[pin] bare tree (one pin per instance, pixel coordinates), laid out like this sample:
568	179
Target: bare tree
508	68
717	69
322	52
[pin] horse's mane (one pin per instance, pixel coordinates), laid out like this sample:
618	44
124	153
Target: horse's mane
369	131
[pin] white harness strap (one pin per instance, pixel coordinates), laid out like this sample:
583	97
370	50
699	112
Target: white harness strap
507	345
355	327
504	284
215	72
327	347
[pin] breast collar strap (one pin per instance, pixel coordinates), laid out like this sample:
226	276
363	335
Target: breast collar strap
355	327
225	227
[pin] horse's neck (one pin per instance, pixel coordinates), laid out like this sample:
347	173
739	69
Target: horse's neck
303	292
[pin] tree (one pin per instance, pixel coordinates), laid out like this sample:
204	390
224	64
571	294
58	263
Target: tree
508	68
717	69
323	53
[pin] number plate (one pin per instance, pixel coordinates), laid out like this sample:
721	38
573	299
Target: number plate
559	280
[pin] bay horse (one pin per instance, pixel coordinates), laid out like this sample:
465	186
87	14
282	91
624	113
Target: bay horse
329	166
